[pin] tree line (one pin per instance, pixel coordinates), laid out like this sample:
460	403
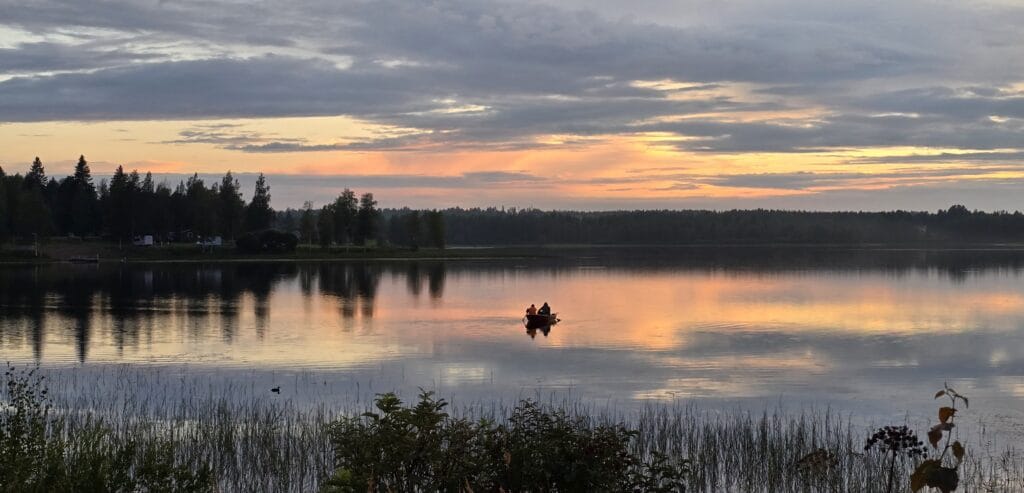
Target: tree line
347	220
493	226
127	205
131	204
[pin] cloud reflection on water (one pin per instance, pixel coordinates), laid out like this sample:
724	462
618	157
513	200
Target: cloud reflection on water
845	327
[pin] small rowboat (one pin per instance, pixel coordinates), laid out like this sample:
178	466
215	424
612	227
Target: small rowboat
533	321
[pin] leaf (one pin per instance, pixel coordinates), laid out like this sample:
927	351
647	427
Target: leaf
965	401
935	435
945	479
945	413
940	394
919	479
958	451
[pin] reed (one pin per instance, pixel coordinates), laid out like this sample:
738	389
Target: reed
245	441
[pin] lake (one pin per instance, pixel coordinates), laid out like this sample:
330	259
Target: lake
869	331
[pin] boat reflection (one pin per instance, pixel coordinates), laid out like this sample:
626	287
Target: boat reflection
542	323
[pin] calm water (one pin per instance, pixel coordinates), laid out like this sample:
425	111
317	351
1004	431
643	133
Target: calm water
868	331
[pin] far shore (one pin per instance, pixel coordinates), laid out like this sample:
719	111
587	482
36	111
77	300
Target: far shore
65	250
107	252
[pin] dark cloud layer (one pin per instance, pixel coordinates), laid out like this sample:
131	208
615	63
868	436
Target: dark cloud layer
501	75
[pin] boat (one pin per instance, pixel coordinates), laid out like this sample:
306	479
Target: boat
534	321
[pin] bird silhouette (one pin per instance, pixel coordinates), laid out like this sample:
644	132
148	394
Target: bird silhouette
276	390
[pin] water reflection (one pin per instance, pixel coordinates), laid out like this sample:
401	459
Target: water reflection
532	330
637	324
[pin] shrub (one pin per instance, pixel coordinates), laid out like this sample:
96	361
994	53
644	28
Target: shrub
422	448
266	241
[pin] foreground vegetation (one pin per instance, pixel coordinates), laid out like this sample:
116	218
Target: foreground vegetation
225	441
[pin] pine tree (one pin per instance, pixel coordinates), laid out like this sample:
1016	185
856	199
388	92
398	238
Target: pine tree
259	215
232	207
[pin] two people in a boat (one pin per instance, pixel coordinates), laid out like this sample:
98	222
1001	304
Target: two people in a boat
544	309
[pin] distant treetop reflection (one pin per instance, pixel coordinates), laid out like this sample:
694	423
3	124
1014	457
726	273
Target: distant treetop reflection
131	295
122	307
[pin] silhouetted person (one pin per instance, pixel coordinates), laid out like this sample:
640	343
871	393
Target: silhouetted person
532	310
544	309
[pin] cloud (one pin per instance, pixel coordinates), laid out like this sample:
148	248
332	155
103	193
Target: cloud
944	157
278	146
792	76
535	69
270	86
30	58
806	180
839	131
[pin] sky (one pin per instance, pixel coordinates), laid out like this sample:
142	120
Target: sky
568	104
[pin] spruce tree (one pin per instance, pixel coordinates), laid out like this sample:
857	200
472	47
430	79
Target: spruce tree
259	215
36	176
232	207
83	200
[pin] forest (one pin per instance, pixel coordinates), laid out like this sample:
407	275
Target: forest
129	204
956	224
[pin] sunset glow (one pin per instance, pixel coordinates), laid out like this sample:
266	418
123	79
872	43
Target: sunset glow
555	105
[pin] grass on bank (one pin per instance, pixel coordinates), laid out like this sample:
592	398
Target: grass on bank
231	441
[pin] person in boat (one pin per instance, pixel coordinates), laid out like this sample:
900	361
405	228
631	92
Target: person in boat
532	310
544	309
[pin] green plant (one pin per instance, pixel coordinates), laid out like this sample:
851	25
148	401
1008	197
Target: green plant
422	448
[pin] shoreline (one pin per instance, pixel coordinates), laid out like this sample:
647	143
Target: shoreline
106	253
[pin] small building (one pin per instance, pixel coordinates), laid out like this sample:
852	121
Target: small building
143	240
211	241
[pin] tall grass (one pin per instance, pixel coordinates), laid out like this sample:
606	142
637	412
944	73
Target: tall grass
252	442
